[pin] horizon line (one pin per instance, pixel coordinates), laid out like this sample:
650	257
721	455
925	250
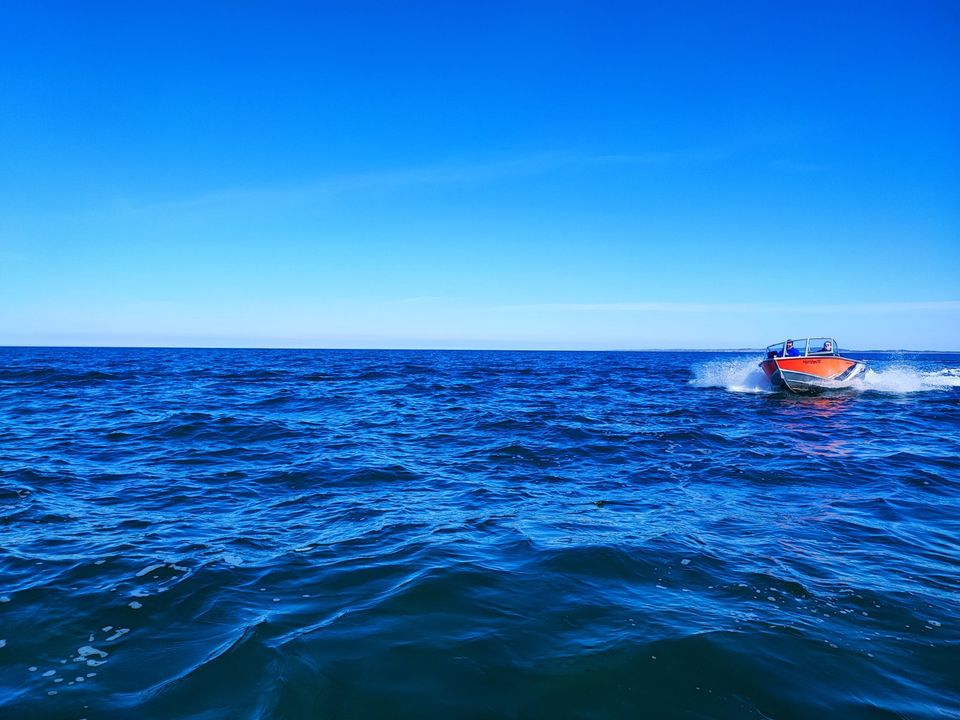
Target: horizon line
445	349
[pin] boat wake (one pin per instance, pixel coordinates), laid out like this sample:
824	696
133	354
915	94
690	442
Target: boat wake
742	375
905	379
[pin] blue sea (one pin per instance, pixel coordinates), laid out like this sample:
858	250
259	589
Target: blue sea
411	534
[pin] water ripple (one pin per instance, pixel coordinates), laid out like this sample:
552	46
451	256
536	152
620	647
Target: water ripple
286	534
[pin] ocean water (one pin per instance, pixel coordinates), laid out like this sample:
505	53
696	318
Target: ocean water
338	534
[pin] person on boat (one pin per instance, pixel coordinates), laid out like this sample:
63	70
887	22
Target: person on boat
827	347
791	351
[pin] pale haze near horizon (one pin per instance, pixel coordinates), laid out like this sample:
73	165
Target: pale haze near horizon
609	177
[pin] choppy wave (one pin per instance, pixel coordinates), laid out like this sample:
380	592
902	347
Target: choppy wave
220	534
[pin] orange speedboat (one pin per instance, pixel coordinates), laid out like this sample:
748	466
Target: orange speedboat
810	365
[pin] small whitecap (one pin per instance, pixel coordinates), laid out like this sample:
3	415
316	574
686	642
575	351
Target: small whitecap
80	678
58	680
95	663
49	673
150	569
99	562
32	668
685	561
935	623
118	634
108	628
91	674
3	643
51	692
135	605
4	598
89	651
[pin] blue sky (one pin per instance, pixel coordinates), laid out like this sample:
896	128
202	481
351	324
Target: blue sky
516	175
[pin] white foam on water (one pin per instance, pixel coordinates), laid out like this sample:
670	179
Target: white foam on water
118	634
150	569
733	374
901	379
89	651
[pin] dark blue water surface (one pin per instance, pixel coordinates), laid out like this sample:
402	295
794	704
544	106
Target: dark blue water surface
337	534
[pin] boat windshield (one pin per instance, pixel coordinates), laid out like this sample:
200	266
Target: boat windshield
822	346
803	347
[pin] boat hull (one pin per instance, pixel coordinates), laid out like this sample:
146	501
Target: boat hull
812	374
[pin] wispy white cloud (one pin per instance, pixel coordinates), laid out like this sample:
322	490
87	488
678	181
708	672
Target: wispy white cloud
790	165
423	300
439	174
680	307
